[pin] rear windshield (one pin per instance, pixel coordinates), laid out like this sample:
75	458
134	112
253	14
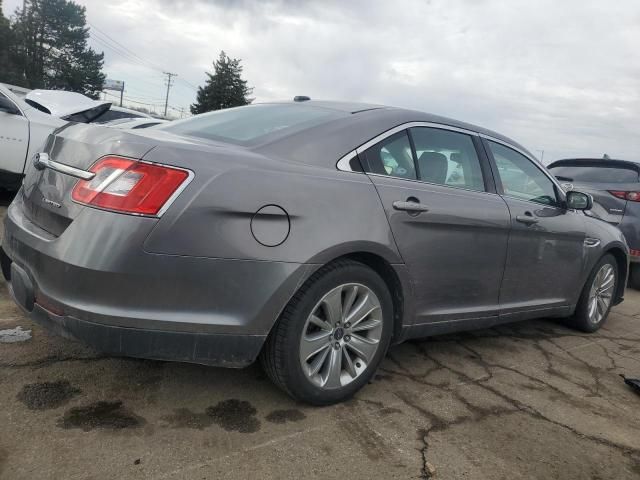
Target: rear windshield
579	173
252	124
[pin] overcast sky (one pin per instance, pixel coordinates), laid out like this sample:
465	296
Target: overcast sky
563	77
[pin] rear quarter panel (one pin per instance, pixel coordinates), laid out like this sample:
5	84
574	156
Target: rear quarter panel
329	213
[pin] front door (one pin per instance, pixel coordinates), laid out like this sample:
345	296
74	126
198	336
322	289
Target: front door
450	230
546	246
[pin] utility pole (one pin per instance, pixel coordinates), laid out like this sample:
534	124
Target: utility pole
166	101
121	93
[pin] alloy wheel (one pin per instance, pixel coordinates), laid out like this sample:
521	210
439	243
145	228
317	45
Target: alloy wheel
341	336
601	293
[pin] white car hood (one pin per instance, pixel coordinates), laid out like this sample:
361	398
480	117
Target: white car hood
60	103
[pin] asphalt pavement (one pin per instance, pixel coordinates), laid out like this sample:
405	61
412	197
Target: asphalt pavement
529	400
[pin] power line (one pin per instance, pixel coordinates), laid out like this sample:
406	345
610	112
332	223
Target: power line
131	53
125	52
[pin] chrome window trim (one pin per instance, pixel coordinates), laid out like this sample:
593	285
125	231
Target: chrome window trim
343	163
422	182
406	126
537	164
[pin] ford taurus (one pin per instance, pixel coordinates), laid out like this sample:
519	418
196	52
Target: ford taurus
311	235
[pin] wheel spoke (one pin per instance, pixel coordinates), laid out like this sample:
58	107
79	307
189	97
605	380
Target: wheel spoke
592	307
335	369
363	347
333	306
349	300
319	360
602	306
313	344
348	363
608	281
318	322
366	325
362	309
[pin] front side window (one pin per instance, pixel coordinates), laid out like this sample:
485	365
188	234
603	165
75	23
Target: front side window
521	178
447	158
392	156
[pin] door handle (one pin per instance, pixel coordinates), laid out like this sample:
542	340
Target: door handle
526	219
414	207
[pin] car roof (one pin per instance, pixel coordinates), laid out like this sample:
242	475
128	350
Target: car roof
362	122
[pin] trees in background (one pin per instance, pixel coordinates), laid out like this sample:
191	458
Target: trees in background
224	88
46	47
9	69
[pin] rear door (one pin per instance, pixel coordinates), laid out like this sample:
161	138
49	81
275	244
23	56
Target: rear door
546	245
450	228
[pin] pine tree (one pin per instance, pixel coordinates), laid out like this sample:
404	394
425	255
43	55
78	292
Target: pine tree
225	87
54	51
9	68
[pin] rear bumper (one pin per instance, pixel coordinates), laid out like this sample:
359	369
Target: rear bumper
96	283
207	349
225	350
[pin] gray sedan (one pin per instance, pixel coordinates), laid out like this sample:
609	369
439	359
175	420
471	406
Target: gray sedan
310	234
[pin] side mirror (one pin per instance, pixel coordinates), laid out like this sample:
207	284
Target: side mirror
579	200
7	106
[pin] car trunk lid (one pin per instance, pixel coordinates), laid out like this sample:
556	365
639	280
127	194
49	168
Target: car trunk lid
47	192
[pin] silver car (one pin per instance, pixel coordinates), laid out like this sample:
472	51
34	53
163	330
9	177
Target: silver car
310	234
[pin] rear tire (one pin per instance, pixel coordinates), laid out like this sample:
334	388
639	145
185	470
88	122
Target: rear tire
597	296
634	276
320	355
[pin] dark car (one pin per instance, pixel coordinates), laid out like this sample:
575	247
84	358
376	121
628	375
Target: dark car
311	234
615	187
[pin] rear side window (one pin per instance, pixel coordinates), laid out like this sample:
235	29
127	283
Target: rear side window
392	156
593	174
447	158
253	123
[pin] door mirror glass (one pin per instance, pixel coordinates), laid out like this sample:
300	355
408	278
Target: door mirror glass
7	106
579	200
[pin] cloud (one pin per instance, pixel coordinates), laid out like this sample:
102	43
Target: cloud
557	76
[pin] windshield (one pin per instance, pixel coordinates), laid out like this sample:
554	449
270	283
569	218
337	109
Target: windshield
254	123
591	174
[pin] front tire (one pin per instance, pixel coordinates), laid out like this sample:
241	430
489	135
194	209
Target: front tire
597	296
332	336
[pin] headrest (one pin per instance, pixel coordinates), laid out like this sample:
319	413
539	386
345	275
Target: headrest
433	167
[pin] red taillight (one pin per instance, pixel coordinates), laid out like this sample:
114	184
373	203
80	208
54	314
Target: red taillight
634	253
126	185
631	196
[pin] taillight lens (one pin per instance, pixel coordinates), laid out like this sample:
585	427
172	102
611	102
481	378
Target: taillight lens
631	196
129	186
